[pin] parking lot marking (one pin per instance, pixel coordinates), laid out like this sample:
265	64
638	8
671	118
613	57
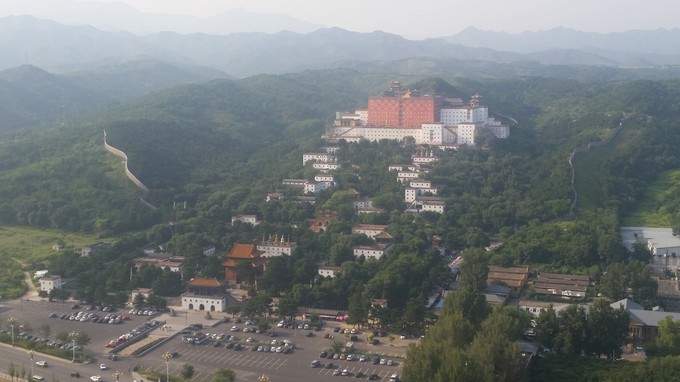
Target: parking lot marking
283	362
238	358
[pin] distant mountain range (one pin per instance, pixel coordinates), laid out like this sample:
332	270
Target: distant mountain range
635	48
118	16
25	40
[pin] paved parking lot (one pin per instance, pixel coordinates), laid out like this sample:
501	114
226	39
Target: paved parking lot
205	358
250	364
35	313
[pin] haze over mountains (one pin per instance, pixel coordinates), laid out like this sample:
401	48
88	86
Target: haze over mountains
58	47
118	16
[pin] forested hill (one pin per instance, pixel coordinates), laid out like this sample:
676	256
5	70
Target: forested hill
31	96
225	143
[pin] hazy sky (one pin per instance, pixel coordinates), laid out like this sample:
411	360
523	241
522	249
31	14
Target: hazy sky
421	18
425	18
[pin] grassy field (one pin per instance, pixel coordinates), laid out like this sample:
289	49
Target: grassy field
27	246
588	166
587	181
649	211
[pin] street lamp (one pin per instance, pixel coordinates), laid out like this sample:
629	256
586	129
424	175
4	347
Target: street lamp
12	320
31	354
117	375
73	336
167	356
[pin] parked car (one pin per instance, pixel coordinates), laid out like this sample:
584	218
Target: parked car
315	363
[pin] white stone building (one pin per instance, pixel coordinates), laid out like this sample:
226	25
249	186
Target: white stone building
275	247
375	251
404	176
205	294
246	219
49	282
325	167
370	230
319	157
328	271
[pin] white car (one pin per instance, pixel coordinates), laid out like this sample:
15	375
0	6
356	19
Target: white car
41	363
103	366
95	378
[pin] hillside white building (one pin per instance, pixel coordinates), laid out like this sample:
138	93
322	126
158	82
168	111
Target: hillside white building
375	251
328	271
370	230
49	282
275	247
319	157
246	219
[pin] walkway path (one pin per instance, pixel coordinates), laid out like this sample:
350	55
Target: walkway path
32	291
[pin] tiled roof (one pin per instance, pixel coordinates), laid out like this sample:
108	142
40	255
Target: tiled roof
244	251
205	282
230	263
522	270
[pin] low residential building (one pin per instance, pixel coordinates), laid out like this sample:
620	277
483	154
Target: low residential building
328	271
146	292
405	176
49	282
245	219
566	286
209	250
536	307
402	167
411	193
661	243
644	324
274	197
513	277
314	187
318	157
160	260
370	230
427	203
86	251
305	199
494	294
294	182
325	167
375	251
370	210
41	273
275	247
205	294
362	203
